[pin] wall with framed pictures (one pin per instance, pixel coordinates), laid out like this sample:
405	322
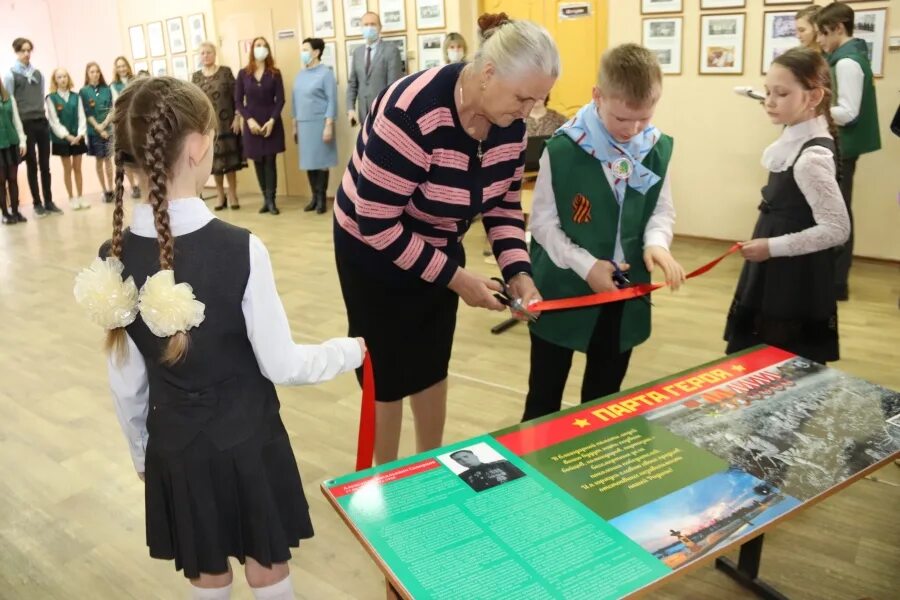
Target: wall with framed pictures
707	48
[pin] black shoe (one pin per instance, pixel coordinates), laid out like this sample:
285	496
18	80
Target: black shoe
108	197
19	217
320	208
274	210
39	211
235	207
220	207
9	219
52	208
135	192
311	206
264	209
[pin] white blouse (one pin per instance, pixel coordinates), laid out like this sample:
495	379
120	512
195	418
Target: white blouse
58	128
814	172
280	359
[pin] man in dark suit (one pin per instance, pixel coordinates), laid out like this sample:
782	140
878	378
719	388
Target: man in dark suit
482	476
373	67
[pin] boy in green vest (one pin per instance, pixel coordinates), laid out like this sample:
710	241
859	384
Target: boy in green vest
602	206
854	111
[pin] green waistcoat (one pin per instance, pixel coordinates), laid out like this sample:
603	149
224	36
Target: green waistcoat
860	135
575	172
97	103
8	135
67	113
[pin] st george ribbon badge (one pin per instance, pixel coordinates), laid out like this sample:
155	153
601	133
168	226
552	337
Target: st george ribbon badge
581	209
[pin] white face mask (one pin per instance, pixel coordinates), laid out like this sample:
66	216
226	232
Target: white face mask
454	55
260	53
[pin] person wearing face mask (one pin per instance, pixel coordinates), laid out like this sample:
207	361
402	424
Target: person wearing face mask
602	218
455	48
373	67
259	98
314	106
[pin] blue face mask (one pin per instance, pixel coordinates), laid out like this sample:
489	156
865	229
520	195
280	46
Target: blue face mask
370	32
306	57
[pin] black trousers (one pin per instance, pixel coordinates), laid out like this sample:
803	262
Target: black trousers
550	364
318	183
37	153
9	181
843	255
267	176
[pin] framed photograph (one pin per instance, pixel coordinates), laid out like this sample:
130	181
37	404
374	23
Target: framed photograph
651	7
196	30
138	44
779	35
353	12
722	44
322	17
159	67
198	64
180	67
155	37
140	65
350	46
870	25
431	53
712	4
430	14
663	37
400	42
776	2
176	36
329	57
393	15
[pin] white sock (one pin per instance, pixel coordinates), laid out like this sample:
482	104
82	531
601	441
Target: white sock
222	593
283	590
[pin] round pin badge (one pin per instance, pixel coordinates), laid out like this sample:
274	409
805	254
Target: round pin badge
622	168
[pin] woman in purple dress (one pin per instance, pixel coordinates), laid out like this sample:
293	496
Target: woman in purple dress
259	98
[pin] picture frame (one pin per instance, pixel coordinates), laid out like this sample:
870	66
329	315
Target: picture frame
175	30
655	7
779	35
138	42
779	2
664	37
722	37
155	39
140	65
718	4
393	15
353	12
870	25
349	47
196	30
159	67
400	42
180	67
430	14
430	50
322	12
329	57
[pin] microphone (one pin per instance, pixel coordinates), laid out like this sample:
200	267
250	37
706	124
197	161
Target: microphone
749	92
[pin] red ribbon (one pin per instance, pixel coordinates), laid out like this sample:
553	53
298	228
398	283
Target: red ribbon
365	446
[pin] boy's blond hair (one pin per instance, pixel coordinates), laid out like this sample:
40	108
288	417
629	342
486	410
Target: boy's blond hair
631	73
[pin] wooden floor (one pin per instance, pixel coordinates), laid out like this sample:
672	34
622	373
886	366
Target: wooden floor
71	507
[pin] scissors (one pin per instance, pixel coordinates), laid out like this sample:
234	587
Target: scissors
620	278
506	298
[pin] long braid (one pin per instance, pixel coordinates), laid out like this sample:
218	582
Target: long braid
825	109
115	338
162	127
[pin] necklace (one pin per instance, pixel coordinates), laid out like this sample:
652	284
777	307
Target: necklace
479	154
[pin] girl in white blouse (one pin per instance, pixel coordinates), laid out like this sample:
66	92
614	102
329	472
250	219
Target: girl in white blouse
785	296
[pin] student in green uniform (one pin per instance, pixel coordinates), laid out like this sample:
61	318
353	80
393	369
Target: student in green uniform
68	129
602	207
853	109
124	76
12	150
97	99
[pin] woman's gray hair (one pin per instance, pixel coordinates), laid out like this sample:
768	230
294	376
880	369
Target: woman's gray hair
208	45
518	46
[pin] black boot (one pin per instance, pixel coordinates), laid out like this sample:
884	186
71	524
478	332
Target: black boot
8	219
265	206
322	190
312	203
320	202
272	208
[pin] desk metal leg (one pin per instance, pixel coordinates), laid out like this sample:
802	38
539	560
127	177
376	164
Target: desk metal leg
746	571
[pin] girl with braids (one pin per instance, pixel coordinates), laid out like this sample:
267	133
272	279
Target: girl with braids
192	365
785	296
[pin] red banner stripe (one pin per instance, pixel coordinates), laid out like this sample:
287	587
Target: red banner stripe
365	443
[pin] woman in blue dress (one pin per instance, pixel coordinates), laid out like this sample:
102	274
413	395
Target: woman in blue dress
313	108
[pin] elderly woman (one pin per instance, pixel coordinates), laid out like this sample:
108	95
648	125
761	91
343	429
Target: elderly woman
441	146
217	82
313	106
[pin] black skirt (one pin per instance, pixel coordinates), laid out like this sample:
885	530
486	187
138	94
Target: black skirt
408	325
67	149
227	154
9	157
206	504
